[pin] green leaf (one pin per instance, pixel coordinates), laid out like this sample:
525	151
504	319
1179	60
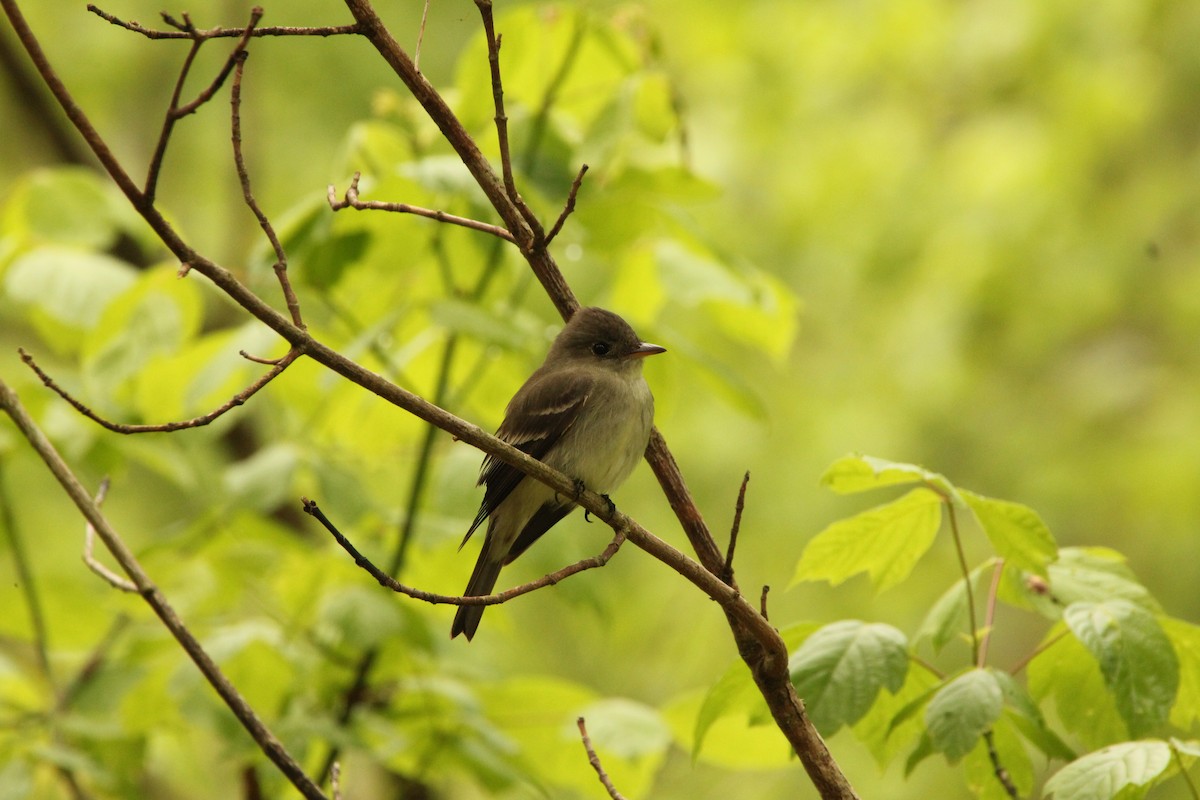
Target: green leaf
857	473
885	542
962	710
72	286
1016	531
68	206
626	728
892	724
1079	574
1135	657
1027	717
1185	639
1065	672
1112	772
839	670
948	617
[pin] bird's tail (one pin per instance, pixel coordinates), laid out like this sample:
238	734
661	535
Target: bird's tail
483	580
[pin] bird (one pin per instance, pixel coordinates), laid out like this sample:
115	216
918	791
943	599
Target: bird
587	412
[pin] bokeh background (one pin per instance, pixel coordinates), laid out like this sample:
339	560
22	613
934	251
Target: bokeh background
961	234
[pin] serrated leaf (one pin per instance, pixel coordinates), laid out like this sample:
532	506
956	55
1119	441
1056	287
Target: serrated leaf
1111	771
1019	535
885	542
1135	657
962	710
840	669
858	473
948	617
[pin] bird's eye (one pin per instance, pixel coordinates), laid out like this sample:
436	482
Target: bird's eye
600	348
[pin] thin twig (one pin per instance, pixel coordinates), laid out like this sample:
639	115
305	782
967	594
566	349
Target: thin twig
89	541
116	427
350	200
762	601
420	37
501	120
966	573
990	612
1023	662
150	189
280	267
270	745
223	33
569	207
727	572
387	581
594	760
998	768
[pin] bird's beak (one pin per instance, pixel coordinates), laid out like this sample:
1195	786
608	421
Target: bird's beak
646	349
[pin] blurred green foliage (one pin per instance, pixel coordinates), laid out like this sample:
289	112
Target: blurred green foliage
960	234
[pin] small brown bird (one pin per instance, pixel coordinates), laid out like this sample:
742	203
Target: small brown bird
587	412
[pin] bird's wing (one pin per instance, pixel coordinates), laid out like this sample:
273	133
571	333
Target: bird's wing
540	413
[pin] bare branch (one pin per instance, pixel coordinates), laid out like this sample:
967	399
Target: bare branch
727	572
166	427
998	767
387	581
594	760
420	37
280	267
569	207
89	541
762	601
350	200
270	745
220	33
501	119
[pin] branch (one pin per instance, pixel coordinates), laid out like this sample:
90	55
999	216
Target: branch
221	33
89	541
594	760
351	200
280	267
998	768
166	427
387	581
569	207
271	746
501	119
727	572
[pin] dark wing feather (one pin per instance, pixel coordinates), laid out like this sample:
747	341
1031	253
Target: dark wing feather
543	520
539	414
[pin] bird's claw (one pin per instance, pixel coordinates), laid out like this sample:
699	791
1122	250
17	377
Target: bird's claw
612	508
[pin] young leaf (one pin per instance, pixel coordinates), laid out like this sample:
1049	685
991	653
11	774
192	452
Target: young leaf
962	711
885	542
1107	772
858	473
839	670
1016	531
948	617
1135	657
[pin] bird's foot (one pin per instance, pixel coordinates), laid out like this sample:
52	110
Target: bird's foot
612	507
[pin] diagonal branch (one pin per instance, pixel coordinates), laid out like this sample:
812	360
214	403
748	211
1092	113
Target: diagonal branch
271	746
